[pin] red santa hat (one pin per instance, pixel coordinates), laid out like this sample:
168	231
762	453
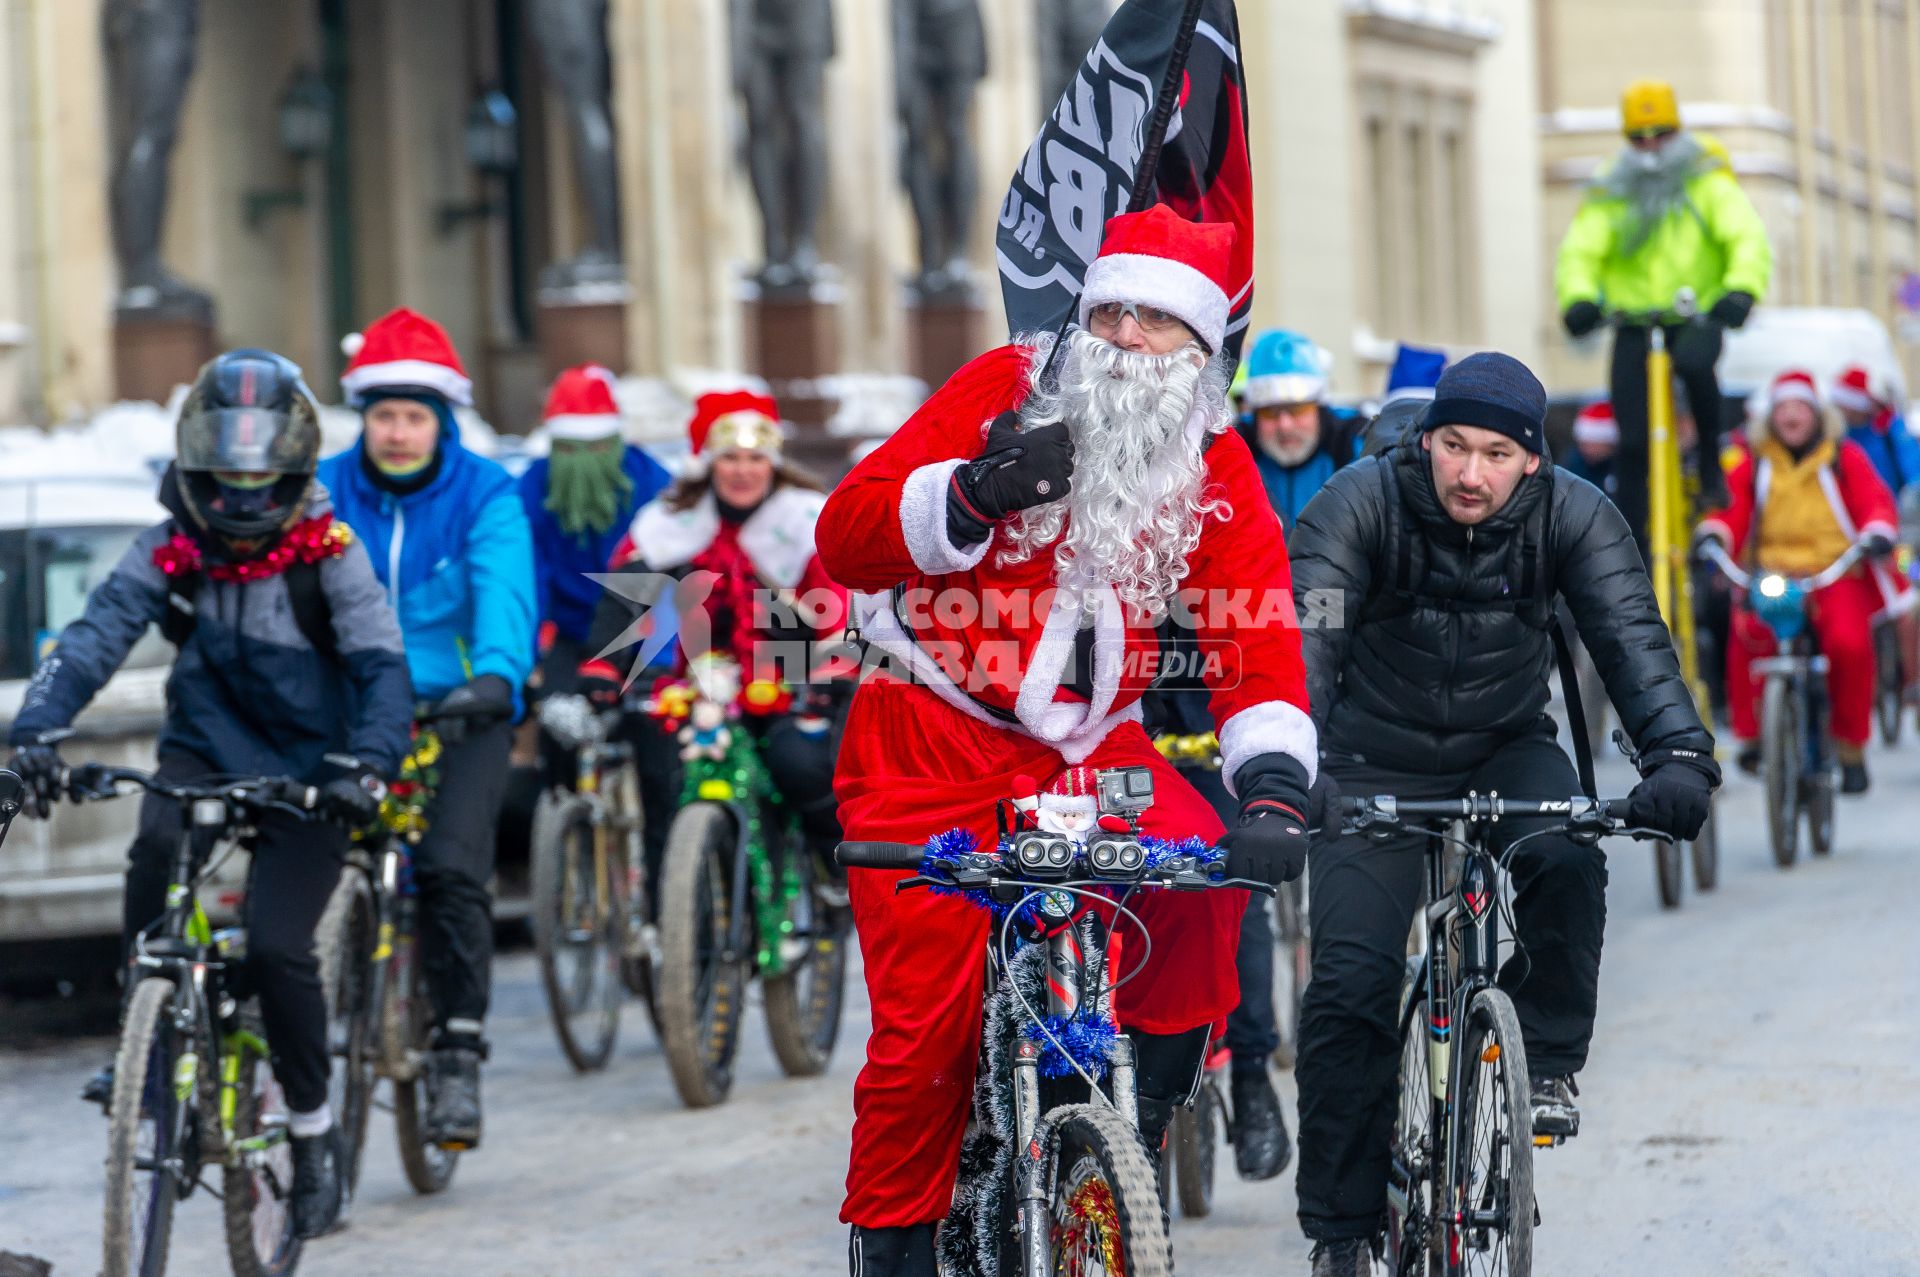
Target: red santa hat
1792	386
580	406
1074	792
728	419
1595	425
1158	258
1855	392
400	351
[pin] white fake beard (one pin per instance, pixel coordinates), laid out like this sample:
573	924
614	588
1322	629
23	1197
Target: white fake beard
1135	509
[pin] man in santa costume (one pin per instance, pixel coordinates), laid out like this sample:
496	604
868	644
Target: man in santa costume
1801	497
1013	547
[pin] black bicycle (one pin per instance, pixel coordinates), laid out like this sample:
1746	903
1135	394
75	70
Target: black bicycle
1460	1196
193	1084
1055	1084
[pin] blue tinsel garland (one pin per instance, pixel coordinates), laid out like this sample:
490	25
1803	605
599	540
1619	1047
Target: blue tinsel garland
1087	1039
1160	850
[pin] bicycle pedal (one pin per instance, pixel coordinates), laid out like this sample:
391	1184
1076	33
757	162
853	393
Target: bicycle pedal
454	1146
1548	1141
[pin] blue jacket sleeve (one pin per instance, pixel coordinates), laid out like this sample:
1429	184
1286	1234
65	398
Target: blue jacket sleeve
499	554
90	649
368	636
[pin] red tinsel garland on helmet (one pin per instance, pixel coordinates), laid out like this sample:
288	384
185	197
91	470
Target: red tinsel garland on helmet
308	541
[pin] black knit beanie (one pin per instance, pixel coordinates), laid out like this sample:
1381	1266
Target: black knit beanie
1495	392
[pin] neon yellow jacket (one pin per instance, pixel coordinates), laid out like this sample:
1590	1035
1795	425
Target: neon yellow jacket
1715	245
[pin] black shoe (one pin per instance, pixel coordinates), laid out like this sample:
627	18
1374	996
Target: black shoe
1748	759
453	1097
1352	1257
99	1088
1713	488
1261	1145
891	1252
1853	778
317	1188
1554	1112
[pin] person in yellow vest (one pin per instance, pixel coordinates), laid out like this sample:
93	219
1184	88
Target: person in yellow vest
1666	215
1800	498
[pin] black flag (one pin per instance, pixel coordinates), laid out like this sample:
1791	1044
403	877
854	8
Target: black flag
1164	90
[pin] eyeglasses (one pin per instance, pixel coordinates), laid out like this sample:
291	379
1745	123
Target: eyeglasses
1649	137
1150	318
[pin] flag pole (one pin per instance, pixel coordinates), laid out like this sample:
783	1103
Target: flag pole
1163	109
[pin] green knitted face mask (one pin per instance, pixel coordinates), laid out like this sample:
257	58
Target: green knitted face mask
586	488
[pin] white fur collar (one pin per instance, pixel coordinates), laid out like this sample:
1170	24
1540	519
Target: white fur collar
778	537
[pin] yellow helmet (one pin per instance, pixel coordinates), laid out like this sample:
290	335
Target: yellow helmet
1648	106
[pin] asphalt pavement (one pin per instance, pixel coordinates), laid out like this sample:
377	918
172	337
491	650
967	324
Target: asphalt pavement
1751	1107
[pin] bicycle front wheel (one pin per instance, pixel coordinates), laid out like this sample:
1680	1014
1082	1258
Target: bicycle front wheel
1292	966
1412	1187
345	942
1104	1208
258	1179
1780	746
577	918
1193	1146
1492	1148
147	1136
804	1003
702	981
429	1167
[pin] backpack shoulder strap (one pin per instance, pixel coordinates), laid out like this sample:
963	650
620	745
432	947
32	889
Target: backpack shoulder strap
182	614
311	610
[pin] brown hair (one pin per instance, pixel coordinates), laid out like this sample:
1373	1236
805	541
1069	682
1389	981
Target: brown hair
686	491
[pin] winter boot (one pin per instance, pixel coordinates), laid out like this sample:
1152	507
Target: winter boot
317	1182
1554	1112
1853	768
99	1088
453	1096
1261	1145
1748	757
891	1252
1350	1257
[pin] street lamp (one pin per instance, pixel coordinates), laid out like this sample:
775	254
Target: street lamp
493	149
304	118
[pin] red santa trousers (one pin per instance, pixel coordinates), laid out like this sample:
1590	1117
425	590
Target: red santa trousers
1842	616
911	767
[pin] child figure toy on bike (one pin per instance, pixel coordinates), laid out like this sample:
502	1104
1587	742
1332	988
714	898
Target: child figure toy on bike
289	664
1015	545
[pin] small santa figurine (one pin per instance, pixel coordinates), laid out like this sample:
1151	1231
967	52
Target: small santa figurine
1069	806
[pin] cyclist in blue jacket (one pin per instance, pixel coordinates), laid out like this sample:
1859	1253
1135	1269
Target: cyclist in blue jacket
450	542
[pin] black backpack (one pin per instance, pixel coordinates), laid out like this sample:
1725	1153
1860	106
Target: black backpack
311	610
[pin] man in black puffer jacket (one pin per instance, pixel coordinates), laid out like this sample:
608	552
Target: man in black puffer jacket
1436	568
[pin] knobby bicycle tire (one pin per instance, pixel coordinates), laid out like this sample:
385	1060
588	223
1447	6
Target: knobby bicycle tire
1101	1168
1669	871
577	924
803	1005
1193	1147
259	1226
1780	746
1412	1198
344	941
700	989
429	1167
135	1240
1492	1092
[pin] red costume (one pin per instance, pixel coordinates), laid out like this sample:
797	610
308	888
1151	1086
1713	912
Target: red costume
989	642
1796	516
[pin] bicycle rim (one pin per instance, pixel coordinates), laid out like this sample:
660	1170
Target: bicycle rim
147	1128
1492	1152
701	988
1410	1205
1104	1210
346	943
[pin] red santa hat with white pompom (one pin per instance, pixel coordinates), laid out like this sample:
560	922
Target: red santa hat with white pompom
399	352
1158	258
581	407
726	420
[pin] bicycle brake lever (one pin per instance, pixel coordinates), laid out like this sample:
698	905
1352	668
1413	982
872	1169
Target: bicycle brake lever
1250	884
918	880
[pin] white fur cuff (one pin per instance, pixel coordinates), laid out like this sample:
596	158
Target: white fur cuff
923	521
1271	727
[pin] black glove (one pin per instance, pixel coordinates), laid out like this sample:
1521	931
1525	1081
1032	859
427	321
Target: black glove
1732	310
1675	795
1270	845
473	707
1582	318
45	776
1878	545
1323	804
1016	469
352	797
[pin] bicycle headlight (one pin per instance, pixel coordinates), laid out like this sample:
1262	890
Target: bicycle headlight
1132	856
1059	853
209	813
1104	856
1773	586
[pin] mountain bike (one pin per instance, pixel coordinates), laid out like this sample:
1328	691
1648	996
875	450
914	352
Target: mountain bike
1798	763
378	1012
591	927
1054	1176
193	1084
1460	1196
742	896
1670	520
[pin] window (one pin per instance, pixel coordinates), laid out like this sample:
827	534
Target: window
46	575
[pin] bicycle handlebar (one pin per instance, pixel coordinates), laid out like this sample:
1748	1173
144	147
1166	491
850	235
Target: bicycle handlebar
1711	548
92	782
980	869
880	855
1385	809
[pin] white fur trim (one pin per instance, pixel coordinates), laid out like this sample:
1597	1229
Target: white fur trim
1283	388
1162	282
778	537
1793	392
666	539
407	372
1054	721
874	614
583	426
923	521
1060	803
1271	727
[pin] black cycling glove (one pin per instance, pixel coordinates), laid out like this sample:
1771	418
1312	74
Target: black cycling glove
1732	310
1016	469
1675	795
1582	318
44	774
474	706
1876	545
1270	844
352	797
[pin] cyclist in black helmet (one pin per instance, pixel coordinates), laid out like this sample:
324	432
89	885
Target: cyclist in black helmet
289	664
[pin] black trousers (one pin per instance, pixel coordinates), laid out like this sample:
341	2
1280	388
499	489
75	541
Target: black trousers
294	866
1253	1031
452	871
1364	895
1695	349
